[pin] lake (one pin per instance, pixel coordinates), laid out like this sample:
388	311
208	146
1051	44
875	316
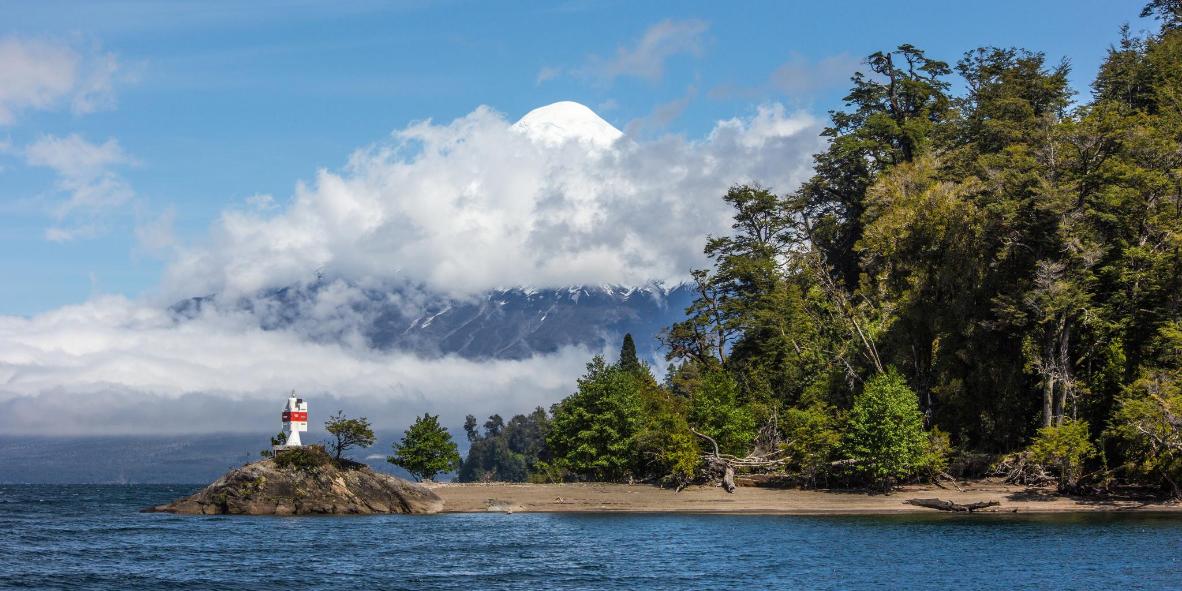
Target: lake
92	537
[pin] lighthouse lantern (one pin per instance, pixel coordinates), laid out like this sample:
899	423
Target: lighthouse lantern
295	420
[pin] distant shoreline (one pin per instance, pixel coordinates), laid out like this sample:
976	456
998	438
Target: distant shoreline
641	498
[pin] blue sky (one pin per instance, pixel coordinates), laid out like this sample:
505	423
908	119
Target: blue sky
180	111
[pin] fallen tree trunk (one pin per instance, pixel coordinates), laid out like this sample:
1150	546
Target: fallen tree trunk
943	505
946	476
717	462
728	479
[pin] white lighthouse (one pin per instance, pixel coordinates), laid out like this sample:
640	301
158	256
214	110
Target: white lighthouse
295	420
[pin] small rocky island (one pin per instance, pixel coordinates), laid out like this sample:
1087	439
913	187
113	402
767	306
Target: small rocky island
305	481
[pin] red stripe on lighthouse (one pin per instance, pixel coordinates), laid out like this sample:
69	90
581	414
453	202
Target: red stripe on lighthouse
295	417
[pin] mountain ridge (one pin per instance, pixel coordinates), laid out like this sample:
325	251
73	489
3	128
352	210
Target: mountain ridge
506	323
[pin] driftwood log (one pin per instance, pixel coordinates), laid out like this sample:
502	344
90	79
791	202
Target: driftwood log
943	505
717	463
719	466
1018	468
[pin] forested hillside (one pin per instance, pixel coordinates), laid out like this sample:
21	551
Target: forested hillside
995	271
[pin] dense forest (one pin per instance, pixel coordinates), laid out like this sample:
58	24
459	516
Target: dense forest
991	273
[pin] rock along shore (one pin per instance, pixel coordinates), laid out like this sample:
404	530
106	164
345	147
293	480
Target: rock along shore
269	488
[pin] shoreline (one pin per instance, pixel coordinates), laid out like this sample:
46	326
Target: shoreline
595	497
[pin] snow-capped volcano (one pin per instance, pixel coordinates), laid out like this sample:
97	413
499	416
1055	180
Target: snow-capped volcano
564	121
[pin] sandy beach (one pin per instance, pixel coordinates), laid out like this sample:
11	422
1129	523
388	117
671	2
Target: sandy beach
624	498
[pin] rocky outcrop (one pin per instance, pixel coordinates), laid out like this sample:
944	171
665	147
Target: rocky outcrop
267	488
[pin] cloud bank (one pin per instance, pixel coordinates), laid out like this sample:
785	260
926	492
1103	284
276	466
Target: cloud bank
479	203
115	366
558	198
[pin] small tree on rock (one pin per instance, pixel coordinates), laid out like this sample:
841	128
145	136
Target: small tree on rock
426	449
278	439
348	433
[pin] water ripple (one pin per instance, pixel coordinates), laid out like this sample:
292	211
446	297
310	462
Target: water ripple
92	537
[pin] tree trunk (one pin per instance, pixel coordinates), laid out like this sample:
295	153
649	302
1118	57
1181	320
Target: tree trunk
1065	369
715	461
1061	403
728	479
1048	397
921	352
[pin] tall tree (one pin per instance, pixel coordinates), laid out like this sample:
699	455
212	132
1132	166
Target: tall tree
891	118
628	360
426	449
512	452
1169	12
591	431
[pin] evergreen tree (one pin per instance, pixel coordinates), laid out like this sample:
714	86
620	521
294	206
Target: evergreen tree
884	434
426	449
470	429
592	429
621	425
1169	12
628	360
512	452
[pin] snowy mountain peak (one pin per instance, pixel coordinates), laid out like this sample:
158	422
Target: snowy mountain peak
565	121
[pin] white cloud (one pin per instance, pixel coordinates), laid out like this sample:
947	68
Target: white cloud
155	234
114	366
646	58
261	202
84	173
454	208
800	77
475	204
45	75
70	233
769	125
661	115
75	157
547	73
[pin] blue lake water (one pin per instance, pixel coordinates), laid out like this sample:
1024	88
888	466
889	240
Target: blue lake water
92	537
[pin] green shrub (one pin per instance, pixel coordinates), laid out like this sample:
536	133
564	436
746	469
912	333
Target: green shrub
884	431
307	458
813	439
715	409
278	439
548	472
1063	447
663	446
1146	428
935	455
